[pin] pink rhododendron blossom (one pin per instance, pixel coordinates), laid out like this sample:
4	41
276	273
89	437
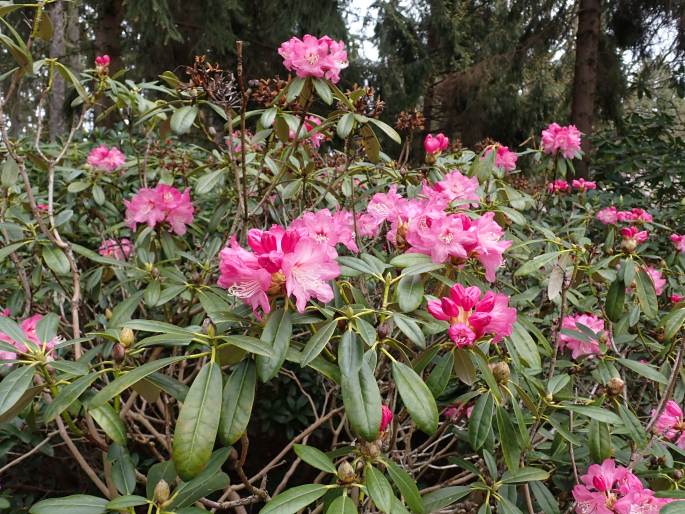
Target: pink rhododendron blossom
676	298
472	316
582	344
657	279
106	159
314	57
102	60
670	423
490	246
678	242
563	140
634	215
505	159
558	186
632	233
612	489
608	215
162	204
43	207
117	249
457	411
434	145
583	185
441	235
327	229
310	123
386	417
454	187
5	313
28	326
234	142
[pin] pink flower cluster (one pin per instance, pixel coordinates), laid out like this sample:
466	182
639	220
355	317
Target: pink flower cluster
670	423
117	249
558	186
612	489
28	326
314	57
386	417
633	234
422	225
472	315
657	279
677	298
505	159
611	216
102	64
106	159
678	242
562	186
564	140
584	185
161	204
315	139
582	344
434	145
301	259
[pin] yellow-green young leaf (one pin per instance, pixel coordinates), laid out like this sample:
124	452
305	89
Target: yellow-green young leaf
183	118
237	401
417	397
14	385
318	342
198	423
480	421
56	260
342	505
599	441
315	457
379	489
406	485
276	335
75	504
646	294
292	500
108	419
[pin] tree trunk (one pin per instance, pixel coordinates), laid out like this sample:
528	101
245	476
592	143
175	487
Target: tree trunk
56	106
108	42
73	37
585	75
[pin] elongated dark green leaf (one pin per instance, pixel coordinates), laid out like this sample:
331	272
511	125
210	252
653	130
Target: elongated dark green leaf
56	260
108	419
524	475
68	395
208	481
318	342
75	504
342	504
294	499
9	327
14	385
645	370
126	380
249	344
440	376
315	457
438	500
123	470
633	425
124	310
463	366
237	401
615	300
362	400
480	421
161	471
507	439
673	508
183	118
276	335
345	125
406	485
350	354
598	413
46	328
379	489
673	322
124	502
599	441
417	397
646	294
410	328
546	500
323	90
198	423
410	293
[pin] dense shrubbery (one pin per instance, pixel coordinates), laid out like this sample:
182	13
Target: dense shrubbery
289	318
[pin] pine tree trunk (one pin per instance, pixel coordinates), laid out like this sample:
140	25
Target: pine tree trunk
56	106
73	37
585	75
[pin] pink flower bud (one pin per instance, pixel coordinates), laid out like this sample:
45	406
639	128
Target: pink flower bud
386	417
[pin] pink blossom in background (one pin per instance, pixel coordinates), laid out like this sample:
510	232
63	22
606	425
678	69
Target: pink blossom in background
28	326
564	140
613	489
670	423
583	185
117	249
558	186
676	298
5	313
310	123
314	57
43	207
581	346
102	60
632	233
454	187
678	242
657	279
505	159
634	215
386	417
436	144
458	410
608	215
161	204
472	316
106	159
327	229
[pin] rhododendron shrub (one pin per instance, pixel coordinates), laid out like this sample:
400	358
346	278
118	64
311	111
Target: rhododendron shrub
280	306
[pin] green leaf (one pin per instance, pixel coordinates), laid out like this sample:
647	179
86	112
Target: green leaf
410	293
536	263
75	504
507	439
645	370
315	457
69	76
124	502
343	504
673	322
67	395
198	422
46	328
10	172
276	335
294	89
480	421
599	441
646	294
294	499
445	496
14	385
463	366
416	396
8	249
440	376
126	380
527	474
633	425
673	508
598	413
379	488
123	470
161	471
183	118
525	346
389	131
546	500
318	342
268	116
124	310
108	419
249	344
323	90
238	397
345	125
406	485
56	260
410	328
615	300
209	480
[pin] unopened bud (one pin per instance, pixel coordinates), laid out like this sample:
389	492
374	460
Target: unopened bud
127	337
208	327
629	245
162	492
383	330
346	473
430	158
371	450
108	313
677	474
603	338
118	353
615	386
501	372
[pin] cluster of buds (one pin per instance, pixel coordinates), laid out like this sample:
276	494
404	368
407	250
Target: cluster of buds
126	339
265	91
410	121
102	65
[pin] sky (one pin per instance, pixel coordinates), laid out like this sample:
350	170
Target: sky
361	9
